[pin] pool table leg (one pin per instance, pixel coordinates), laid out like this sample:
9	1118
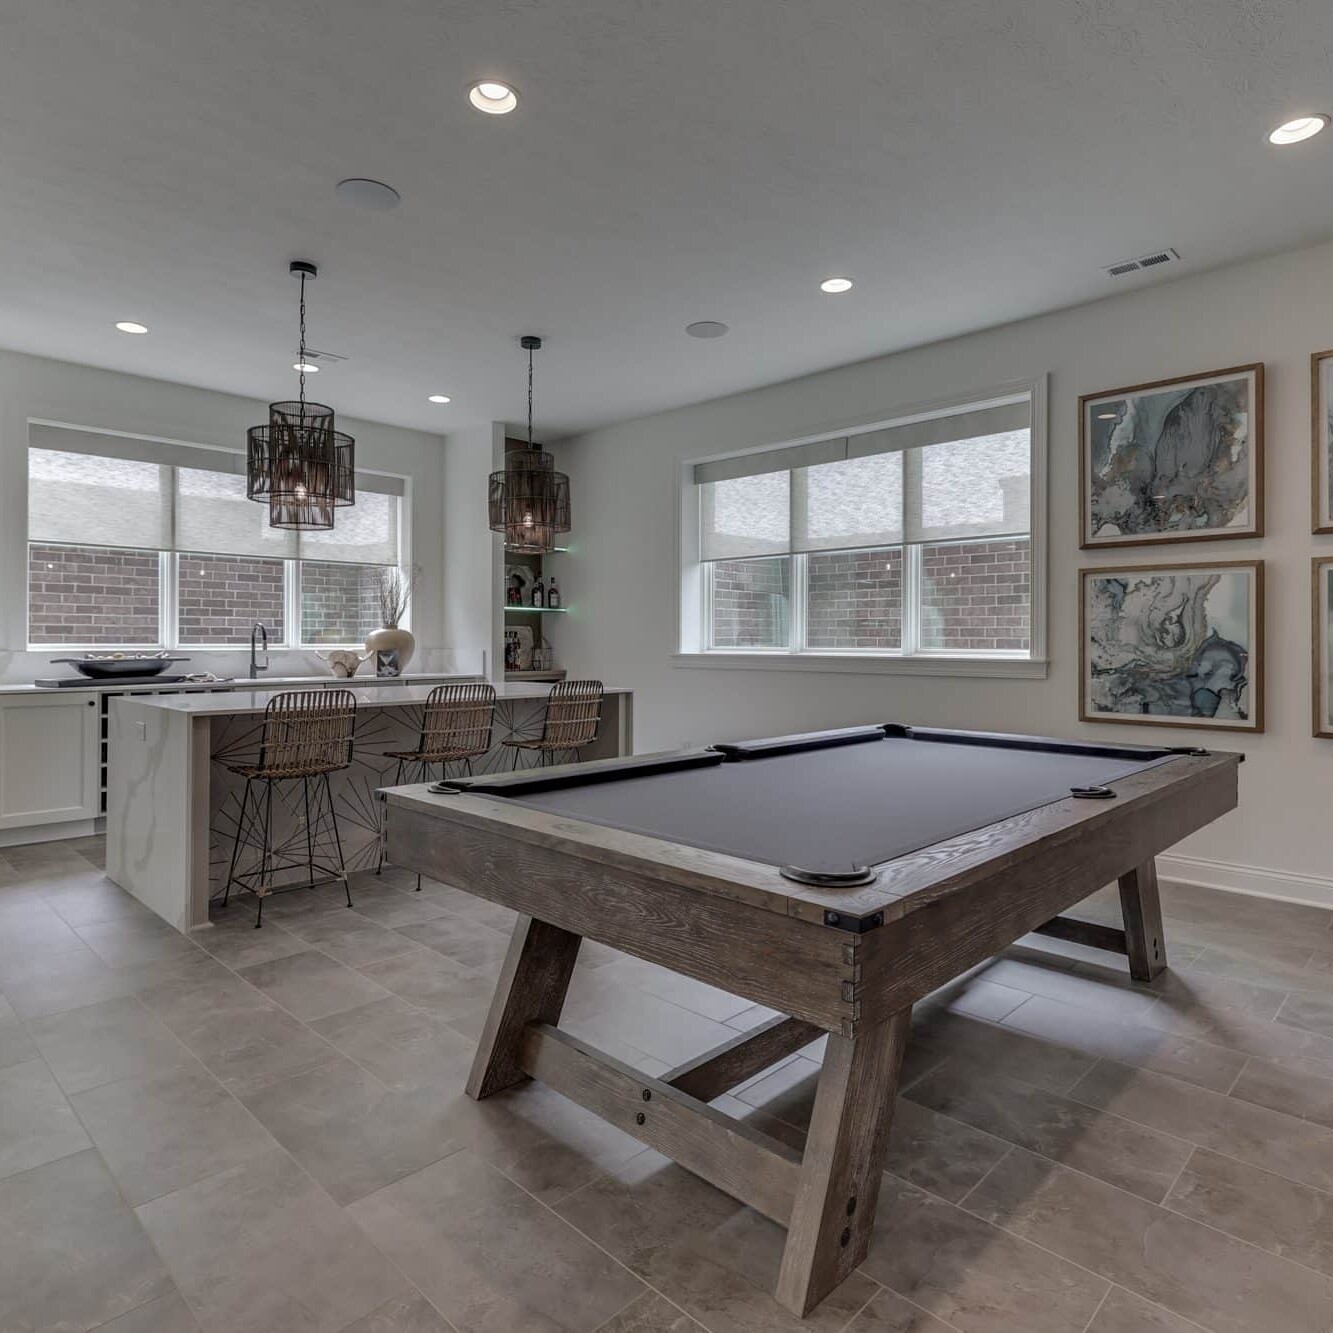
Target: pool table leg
838	1190
1141	906
531	989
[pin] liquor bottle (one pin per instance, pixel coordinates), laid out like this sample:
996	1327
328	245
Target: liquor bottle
553	595
538	593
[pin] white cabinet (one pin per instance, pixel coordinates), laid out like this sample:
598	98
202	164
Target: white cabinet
50	758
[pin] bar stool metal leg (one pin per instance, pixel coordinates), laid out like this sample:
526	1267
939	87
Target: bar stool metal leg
236	844
337	840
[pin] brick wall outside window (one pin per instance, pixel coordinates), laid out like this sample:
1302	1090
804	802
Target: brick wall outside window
91	595
977	595
221	596
751	601
339	603
854	599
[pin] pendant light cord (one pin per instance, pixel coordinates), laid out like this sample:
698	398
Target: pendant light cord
530	444
301	358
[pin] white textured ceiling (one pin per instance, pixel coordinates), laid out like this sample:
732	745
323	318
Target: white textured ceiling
967	161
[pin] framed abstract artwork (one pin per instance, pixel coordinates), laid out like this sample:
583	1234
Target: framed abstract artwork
1321	437
1175	460
1321	649
1174	645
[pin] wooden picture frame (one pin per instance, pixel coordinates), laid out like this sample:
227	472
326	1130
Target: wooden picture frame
1114	405
1173	606
1321	651
1321	441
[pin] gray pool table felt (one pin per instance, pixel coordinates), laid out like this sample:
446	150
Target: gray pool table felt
829	809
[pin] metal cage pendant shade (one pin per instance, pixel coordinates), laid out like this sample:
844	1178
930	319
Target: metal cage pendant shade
298	462
529	499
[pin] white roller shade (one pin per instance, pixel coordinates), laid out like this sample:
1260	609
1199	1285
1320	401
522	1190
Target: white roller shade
967	424
855	503
109	490
745	516
78	500
214	516
973	424
972	488
364	534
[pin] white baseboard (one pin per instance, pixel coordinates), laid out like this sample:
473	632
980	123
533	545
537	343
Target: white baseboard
74	828
1284	886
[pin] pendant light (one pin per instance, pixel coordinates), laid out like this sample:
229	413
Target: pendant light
299	463
529	500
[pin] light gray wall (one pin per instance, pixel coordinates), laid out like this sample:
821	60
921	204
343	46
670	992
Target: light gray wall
1277	310
37	388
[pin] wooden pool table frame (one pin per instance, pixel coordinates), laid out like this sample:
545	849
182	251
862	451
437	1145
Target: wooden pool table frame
848	962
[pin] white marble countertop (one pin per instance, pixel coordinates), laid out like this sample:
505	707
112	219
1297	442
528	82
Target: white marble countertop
235	701
368	681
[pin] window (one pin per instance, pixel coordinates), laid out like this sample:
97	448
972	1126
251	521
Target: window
136	552
908	540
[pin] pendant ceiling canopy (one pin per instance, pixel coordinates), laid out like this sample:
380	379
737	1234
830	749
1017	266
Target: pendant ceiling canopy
529	499
299	463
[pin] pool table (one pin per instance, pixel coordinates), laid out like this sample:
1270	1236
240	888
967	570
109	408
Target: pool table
836	877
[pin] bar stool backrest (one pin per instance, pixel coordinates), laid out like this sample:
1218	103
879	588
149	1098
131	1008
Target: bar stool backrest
457	720
573	714
307	732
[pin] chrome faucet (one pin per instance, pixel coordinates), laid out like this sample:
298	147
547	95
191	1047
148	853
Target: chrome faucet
257	667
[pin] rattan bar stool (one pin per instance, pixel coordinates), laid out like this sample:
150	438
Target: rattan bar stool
573	715
455	729
307	735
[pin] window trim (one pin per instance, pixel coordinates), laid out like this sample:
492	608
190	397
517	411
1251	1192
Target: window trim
693	587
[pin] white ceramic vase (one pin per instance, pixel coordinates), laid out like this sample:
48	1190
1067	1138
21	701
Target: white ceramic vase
402	641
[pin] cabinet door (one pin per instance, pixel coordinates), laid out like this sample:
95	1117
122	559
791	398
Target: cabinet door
50	761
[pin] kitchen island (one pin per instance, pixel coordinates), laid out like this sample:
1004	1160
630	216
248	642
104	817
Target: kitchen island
172	802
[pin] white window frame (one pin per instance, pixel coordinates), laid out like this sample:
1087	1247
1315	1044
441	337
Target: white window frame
168	581
694	587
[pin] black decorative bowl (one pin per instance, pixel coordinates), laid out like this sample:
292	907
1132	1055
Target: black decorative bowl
109	667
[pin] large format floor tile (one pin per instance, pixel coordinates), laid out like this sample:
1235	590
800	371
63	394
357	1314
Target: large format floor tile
349	1131
1295	1148
974	1277
260	1246
312	985
104	1042
1138	1159
37	1124
161	1134
72	1253
1192	1269
470	1239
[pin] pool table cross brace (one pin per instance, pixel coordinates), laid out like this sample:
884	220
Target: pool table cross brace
824	1195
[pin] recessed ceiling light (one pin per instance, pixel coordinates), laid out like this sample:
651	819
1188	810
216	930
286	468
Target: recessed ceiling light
495	99
1293	131
439	398
706	328
129	326
375	196
307	367
835	285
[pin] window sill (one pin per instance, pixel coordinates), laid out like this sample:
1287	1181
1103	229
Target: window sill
871	664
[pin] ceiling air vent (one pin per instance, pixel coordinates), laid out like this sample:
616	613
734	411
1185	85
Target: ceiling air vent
322	358
1154	260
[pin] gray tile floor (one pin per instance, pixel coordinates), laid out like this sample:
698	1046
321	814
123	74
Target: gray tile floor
266	1131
